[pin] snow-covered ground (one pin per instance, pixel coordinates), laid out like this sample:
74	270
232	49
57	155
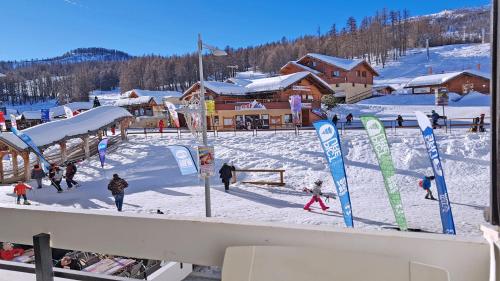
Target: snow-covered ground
155	181
442	59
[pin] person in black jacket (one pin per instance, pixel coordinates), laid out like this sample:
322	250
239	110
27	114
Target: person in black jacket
38	174
226	173
68	263
335	119
97	103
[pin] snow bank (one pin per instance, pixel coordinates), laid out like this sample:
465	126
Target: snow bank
74	106
472	99
133	101
83	123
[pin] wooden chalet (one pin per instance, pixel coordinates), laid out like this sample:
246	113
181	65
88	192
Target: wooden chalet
351	80
461	82
262	103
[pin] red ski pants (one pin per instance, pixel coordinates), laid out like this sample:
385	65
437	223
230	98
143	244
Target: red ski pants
315	199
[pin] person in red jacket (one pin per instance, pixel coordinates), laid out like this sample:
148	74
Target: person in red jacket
161	125
20	190
8	252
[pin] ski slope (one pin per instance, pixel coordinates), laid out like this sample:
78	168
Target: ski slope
156	183
442	59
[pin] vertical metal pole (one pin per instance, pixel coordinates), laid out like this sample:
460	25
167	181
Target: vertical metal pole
43	257
208	211
495	118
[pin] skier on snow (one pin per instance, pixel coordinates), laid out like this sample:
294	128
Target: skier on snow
425	183
20	191
52	177
316	191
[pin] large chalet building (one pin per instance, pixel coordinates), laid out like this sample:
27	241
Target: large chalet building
350	79
242	103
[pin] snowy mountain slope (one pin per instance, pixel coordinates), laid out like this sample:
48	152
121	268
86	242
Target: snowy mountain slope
155	181
442	59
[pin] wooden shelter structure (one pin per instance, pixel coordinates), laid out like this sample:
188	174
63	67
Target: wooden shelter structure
60	141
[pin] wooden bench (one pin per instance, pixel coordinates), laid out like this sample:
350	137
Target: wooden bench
280	171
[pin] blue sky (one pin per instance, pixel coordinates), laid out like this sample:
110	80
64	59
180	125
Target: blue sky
46	28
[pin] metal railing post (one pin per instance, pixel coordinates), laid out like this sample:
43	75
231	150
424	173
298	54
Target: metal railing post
43	257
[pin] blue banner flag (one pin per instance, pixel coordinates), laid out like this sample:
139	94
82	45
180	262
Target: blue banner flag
432	150
330	141
184	159
29	142
101	149
45	115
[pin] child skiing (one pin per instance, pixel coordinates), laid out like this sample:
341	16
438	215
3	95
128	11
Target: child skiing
316	191
20	191
425	183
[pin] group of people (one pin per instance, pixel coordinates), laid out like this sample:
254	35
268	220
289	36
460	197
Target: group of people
348	119
425	183
478	124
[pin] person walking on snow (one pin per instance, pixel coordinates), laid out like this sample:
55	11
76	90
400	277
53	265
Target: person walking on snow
316	191
38	174
117	187
96	102
335	119
161	125
425	183
400	120
52	176
20	191
435	117
348	119
58	176
226	173
70	174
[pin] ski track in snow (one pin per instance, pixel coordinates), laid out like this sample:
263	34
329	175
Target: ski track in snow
155	181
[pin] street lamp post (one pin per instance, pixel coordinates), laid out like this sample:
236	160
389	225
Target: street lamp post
216	52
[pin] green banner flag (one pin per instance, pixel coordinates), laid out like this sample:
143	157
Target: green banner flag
378	139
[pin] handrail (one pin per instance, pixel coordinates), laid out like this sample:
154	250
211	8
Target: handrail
203	241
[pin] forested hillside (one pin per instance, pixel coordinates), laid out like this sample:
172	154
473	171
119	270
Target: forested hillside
384	36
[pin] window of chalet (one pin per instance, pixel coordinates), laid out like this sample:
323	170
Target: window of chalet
336	73
265	121
358	73
313	63
228	121
216	121
287	118
363	73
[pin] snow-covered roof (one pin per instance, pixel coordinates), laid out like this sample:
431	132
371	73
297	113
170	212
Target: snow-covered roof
238	81
277	82
438	79
49	133
250	74
304	67
222	88
346	64
158	96
74	106
133	101
32	115
259	85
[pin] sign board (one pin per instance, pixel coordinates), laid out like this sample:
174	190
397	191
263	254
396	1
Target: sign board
301	88
210	106
442	97
206	160
250	106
